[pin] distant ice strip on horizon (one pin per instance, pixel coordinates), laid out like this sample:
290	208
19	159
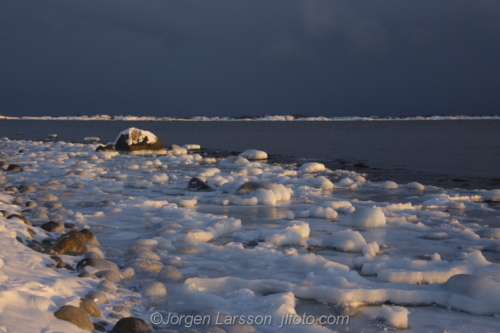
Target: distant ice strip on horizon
263	118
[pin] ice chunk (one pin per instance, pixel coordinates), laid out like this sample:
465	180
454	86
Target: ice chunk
365	217
415	186
291	235
253	154
396	316
312	167
346	241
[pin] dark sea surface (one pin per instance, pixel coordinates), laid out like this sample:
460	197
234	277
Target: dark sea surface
450	153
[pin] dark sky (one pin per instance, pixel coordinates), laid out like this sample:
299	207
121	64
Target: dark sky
253	57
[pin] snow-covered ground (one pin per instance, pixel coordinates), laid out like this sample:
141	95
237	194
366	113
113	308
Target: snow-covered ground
258	246
105	117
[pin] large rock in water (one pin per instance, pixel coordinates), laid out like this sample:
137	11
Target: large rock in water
139	141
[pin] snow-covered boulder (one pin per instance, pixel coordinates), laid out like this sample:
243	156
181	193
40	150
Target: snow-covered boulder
139	142
254	154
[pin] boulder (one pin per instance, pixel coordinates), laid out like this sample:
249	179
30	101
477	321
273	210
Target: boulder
132	325
109	275
76	316
20	217
105	148
99	264
14	168
70	245
97	296
136	140
198	185
90	307
170	274
252	186
26	189
53	227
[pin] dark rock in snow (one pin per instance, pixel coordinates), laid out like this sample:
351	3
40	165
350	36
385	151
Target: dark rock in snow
109	275
76	316
132	325
53	227
90	307
198	185
100	264
70	245
22	218
97	296
105	148
14	168
252	186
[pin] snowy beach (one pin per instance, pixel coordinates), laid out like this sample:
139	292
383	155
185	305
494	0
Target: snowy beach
235	244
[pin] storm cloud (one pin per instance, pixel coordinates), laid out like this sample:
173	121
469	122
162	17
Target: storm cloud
256	57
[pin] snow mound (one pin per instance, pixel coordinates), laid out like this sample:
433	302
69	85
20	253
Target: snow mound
346	241
396	316
473	293
292	234
254	154
365	218
312	167
233	162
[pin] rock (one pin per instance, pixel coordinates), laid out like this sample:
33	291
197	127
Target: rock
147	266
53	227
155	291
128	273
198	185
105	148
97	296
252	186
26	189
19	201
109	275
11	188
76	316
22	218
69	245
56	259
170	274
53	204
189	250
90	307
14	168
106	284
31	204
47	197
99	264
77	186
100	327
86	275
38	248
65	265
89	237
146	254
132	325
134	139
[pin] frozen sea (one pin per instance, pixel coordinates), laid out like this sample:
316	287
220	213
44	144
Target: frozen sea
436	152
301	239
